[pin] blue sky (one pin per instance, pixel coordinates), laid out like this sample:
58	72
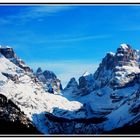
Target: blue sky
68	39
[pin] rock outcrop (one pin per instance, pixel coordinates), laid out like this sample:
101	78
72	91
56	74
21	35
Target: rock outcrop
50	81
12	120
117	70
9	53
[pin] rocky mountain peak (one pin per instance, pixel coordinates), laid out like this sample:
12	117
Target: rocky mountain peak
72	83
39	71
125	46
49	75
9	53
85	83
50	81
72	88
116	69
125	53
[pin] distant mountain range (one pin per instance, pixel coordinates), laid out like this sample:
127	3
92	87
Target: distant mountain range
106	102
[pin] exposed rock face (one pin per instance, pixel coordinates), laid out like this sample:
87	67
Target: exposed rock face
49	75
72	83
105	67
118	69
72	88
12	120
40	76
125	54
86	84
84	87
10	54
12	77
51	83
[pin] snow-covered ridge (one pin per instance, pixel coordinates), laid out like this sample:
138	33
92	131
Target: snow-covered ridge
112	92
29	95
116	70
110	86
124	46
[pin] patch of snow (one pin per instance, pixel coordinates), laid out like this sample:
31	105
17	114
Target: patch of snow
120	54
131	69
124	46
111	53
86	73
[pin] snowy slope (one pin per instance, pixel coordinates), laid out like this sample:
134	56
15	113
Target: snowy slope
115	82
112	92
29	95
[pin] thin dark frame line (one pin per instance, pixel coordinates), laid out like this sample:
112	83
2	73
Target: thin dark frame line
75	3
43	135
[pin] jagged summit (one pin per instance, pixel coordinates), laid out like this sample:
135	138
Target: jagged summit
126	53
48	75
72	84
51	83
39	70
9	53
125	46
116	71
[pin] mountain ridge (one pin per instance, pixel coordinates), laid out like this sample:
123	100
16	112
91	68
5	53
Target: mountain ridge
111	93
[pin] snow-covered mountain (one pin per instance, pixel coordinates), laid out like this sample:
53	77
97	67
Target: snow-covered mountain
111	92
50	81
103	102
24	90
116	71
